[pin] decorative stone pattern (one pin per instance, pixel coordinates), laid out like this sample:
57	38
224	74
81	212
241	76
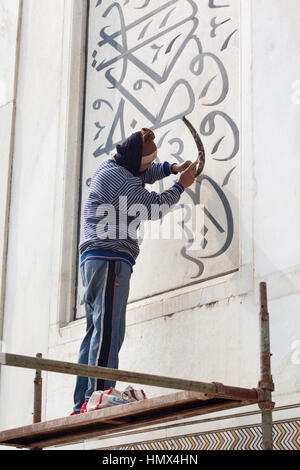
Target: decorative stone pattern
286	437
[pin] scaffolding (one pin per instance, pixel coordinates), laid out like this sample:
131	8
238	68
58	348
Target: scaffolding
194	398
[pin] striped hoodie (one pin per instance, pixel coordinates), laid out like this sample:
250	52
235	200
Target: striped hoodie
112	185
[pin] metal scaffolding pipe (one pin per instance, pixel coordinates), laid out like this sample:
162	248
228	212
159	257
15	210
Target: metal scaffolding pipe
37	400
266	381
82	370
238	396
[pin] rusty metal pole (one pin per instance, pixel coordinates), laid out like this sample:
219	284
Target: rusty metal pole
27	362
266	381
37	406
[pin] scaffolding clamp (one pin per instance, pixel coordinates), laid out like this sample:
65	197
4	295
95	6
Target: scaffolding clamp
267	383
266	405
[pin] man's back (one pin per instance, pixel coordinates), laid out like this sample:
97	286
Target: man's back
113	191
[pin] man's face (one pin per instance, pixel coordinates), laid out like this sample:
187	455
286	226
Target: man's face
144	166
151	157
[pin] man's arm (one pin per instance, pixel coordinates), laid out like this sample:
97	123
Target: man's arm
148	204
151	205
157	171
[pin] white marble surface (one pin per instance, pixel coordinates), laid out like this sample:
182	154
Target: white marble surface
276	121
184	333
9	13
32	212
169	82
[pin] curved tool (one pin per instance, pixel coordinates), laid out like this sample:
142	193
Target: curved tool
200	147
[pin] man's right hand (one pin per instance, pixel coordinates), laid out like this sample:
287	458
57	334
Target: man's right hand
187	177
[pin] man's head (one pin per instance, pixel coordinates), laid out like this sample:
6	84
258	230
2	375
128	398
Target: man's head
149	152
137	152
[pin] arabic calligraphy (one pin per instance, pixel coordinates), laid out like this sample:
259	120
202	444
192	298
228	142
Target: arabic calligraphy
159	50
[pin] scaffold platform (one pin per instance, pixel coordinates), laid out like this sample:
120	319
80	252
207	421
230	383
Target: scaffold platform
194	399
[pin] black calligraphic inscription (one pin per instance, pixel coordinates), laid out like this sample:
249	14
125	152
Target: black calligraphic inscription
157	120
197	68
98	103
194	260
139	83
225	45
162	35
214	25
146	3
208	127
206	88
157	49
169	48
226	179
228	212
129	54
180	149
166	18
123	36
195	197
217	145
212	4
219	193
144	30
97	124
94	55
190	241
119	119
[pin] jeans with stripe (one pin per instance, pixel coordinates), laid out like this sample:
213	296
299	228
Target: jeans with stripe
106	290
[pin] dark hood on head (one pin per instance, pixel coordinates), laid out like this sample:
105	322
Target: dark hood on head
129	153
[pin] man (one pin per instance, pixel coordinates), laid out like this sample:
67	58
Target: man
110	247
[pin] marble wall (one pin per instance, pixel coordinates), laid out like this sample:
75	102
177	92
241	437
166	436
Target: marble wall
153	64
212	327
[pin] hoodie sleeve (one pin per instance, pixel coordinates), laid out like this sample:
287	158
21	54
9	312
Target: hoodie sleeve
156	172
133	198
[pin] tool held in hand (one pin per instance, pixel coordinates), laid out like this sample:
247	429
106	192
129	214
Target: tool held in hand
200	146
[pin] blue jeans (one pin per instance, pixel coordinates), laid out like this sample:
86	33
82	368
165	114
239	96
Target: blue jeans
106	290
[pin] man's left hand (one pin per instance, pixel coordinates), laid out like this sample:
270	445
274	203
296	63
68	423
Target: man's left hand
182	166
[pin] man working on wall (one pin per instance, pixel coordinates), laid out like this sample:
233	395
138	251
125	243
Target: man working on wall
108	251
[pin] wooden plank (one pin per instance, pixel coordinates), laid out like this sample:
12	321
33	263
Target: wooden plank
115	412
114	419
67	439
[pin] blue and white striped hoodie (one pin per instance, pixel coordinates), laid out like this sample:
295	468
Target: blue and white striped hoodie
109	182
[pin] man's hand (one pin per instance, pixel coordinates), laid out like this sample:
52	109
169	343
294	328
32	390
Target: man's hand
182	166
187	177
